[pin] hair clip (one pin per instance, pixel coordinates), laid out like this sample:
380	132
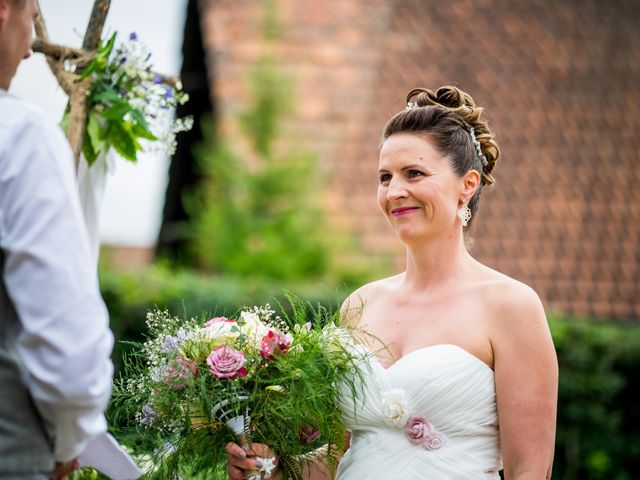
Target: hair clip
478	146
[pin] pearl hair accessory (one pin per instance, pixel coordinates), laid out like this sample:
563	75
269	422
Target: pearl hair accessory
411	105
476	142
464	214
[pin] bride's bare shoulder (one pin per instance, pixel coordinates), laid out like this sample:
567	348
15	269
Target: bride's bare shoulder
354	304
504	292
510	304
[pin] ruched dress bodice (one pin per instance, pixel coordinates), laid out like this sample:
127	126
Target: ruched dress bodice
431	415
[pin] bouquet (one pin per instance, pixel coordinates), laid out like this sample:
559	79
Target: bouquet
128	103
254	377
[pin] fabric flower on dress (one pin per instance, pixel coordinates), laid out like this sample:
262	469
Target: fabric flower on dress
419	431
394	407
435	441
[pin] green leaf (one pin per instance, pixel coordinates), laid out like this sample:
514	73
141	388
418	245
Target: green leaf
141	131
87	149
122	141
106	95
90	69
116	111
108	48
139	118
95	132
101	58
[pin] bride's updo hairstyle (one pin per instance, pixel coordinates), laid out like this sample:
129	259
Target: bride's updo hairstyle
451	120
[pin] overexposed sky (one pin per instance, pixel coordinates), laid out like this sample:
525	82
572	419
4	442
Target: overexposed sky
134	197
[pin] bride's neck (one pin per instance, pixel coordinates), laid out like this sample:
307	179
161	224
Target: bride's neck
437	262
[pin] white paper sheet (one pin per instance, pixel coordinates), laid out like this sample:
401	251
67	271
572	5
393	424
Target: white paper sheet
105	454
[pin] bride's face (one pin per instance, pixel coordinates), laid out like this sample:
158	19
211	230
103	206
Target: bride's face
418	191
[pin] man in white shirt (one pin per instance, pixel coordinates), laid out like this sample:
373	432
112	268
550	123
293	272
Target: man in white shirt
55	342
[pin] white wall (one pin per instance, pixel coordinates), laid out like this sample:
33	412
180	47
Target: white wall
134	198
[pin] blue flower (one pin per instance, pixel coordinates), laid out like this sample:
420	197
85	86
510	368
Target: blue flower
157	79
123	60
168	93
133	36
170	343
147	415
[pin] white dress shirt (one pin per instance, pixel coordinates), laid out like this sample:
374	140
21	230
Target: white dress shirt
51	279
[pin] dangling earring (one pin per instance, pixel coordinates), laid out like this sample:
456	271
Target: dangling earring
464	214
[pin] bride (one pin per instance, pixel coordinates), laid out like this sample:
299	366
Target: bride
467	382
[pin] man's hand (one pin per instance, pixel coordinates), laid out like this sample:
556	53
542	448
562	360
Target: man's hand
61	470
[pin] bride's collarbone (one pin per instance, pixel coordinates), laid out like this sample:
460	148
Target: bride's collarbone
394	336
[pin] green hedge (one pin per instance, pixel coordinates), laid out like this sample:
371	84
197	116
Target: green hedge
598	432
598	435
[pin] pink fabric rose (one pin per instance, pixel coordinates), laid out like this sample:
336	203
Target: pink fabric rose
226	362
179	372
309	435
418	429
215	320
435	441
274	342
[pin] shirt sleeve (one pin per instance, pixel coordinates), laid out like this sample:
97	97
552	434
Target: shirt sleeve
51	279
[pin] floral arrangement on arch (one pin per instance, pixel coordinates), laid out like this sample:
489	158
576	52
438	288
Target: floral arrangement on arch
130	108
252	378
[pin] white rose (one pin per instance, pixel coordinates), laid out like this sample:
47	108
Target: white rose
394	407
221	332
253	328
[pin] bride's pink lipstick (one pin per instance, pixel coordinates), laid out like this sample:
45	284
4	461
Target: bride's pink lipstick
402	211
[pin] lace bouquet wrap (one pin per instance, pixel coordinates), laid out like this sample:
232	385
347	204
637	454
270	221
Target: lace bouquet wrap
254	378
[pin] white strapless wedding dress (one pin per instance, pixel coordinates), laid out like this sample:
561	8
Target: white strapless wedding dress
446	394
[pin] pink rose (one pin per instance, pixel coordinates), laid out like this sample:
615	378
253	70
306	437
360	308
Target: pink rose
309	435
215	320
179	372
274	342
435	441
418	428
226	362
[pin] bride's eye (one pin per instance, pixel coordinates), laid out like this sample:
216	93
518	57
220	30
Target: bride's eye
415	173
385	178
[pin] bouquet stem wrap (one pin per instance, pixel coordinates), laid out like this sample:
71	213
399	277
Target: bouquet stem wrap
236	417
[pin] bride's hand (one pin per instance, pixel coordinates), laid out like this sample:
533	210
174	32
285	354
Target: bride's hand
239	460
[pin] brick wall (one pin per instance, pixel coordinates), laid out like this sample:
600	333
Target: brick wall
560	83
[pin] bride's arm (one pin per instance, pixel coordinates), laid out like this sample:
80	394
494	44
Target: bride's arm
526	373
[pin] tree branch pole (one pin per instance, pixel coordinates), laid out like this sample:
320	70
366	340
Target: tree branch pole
96	24
61	58
78	99
65	79
76	89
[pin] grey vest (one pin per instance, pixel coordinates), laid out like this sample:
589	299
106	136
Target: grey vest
24	445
